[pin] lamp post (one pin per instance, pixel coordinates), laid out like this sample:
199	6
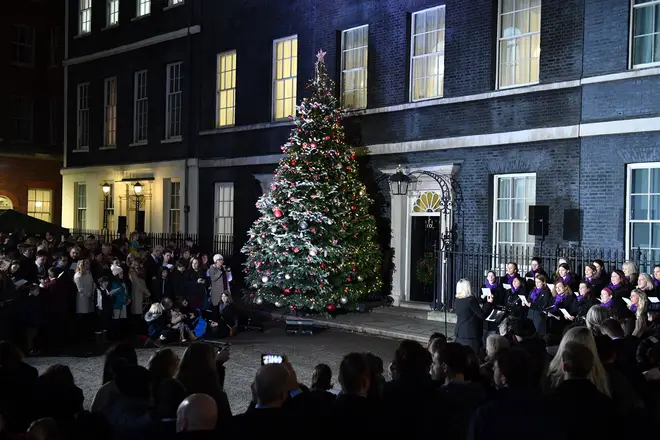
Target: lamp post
137	189
106	197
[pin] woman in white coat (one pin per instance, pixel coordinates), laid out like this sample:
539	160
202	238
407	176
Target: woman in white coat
84	300
139	294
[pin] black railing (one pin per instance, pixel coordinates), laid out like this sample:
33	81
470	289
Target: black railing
474	262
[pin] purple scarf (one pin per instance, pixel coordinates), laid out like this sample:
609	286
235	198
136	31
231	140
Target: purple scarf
558	300
535	294
589	280
580	297
613	286
510	278
491	286
633	308
514	290
607	304
656	282
566	279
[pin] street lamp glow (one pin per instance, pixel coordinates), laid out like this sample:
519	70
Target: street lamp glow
106	188
137	188
399	182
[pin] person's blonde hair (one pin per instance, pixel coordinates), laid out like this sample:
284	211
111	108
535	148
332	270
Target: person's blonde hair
80	267
642	304
598	376
494	343
567	289
631	266
648	279
157	309
595	317
463	289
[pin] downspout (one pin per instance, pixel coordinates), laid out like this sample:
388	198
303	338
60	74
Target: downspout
66	80
186	198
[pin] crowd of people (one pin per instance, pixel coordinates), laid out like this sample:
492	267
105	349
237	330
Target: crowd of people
85	292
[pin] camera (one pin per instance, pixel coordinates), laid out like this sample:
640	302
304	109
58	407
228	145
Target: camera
267	359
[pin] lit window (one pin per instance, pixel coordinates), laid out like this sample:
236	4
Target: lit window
144	7
83	117
224	208
22	45
81	205
514	194
175	2
174	97
40	203
112	13
175	207
285	74
22	119
140	108
226	89
354	55
110	116
428	54
85	17
643	209
519	42
646	33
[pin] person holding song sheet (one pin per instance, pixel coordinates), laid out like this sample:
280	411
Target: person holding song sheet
619	285
512	299
585	300
493	293
538	302
511	273
593	278
534	269
470	316
565	275
616	306
564	308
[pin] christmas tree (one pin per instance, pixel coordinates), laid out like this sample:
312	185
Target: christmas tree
313	248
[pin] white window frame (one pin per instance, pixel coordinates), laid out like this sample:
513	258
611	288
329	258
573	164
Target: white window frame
110	112
356	69
80	205
35	197
225	85
28	44
224	214
140	114
500	38
112	13
174	2
629	221
19	120
438	53
174	217
84	17
631	40
173	101
143	8
293	60
82	127
496	221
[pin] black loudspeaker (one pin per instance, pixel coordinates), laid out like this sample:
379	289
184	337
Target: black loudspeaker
121	223
572	225
140	225
538	218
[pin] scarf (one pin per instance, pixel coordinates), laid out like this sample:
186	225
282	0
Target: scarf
566	279
510	278
656	282
607	304
613	286
491	286
558	300
535	294
628	277
580	297
589	280
514	290
633	308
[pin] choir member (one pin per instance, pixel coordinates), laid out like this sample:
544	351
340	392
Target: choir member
534	269
563	298
538	302
565	275
512	298
619	285
585	301
630	271
511	273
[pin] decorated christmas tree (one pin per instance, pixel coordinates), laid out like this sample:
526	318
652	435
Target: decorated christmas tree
313	248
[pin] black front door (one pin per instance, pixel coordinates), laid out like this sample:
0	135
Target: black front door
424	240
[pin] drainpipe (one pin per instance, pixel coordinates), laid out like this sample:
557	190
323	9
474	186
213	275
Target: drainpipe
66	78
186	198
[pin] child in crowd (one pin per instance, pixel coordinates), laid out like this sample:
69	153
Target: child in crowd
104	306
177	322
157	319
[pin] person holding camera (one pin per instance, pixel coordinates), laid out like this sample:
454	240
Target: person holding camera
220	276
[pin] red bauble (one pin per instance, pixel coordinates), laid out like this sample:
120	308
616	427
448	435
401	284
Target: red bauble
348	279
296	250
327	138
277	212
353	208
292	308
313	145
293	163
331	307
287	291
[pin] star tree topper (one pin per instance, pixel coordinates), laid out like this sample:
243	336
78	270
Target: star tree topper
321	56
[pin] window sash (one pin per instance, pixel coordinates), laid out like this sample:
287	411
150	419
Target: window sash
81	205
174	98
175	2
645	34
85	17
23	119
110	112
83	117
175	207
23	45
225	95
112	13
354	65
510	209
285	77
140	107
224	208
427	66
144	7
643	209
518	45
40	203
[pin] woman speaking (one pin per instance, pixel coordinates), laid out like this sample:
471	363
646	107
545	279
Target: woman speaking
469	316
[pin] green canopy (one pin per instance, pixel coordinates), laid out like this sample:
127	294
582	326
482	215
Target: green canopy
11	221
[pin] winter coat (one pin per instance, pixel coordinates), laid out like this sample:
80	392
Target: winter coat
217	283
119	294
157	323
139	292
85	292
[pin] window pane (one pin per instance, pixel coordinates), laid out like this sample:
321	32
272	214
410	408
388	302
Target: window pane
504	187
503	210
504	232
520	232
640	235
519	211
640	181
639	208
643	50
655	235
655	208
643	18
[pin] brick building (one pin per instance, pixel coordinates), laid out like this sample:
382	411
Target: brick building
30	108
542	102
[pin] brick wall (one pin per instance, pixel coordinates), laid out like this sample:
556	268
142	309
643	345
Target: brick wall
562	28
632	98
606	32
19	174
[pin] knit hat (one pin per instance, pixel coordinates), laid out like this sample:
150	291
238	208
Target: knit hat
217	257
116	270
608	290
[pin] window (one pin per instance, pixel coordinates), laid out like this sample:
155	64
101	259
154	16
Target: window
83	117
22	119
143	7
519	42
112	13
110	112
40	203
55	48
645	33
175	207
174	95
285	74
85	17
514	194
109	203
224	209
141	107
54	112
643	209
354	54
428	54
22	42
175	2
81	205
225	95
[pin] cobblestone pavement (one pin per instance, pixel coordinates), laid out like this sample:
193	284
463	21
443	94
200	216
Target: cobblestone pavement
303	351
